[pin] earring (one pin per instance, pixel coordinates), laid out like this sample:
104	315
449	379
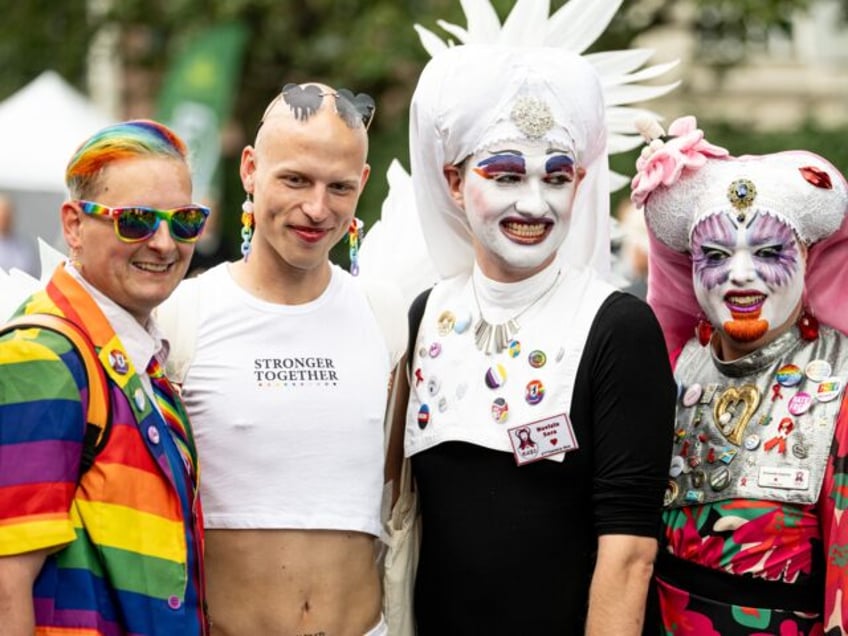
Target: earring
247	224
75	261
354	236
808	325
704	331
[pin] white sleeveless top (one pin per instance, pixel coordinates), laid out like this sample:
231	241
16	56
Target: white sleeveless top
287	405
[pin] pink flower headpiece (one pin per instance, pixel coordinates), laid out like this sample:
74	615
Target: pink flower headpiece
685	179
664	159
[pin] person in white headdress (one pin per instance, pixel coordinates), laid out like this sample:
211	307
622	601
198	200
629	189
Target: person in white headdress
522	335
748	254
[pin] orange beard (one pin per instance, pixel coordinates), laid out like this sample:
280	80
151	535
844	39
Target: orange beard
747	330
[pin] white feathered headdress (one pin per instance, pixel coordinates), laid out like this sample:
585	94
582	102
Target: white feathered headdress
574	27
460	101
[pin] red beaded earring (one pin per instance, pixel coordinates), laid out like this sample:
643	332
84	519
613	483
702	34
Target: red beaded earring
704	331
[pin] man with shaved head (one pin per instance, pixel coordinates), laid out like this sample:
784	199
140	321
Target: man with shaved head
287	383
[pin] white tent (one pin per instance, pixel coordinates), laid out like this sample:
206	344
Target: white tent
40	128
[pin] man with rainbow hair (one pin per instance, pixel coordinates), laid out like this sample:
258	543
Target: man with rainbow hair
110	544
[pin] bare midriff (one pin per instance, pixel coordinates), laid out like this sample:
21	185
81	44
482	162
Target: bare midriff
292	582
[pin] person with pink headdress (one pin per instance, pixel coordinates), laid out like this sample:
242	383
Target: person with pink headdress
747	282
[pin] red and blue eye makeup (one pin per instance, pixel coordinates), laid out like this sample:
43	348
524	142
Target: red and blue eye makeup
515	163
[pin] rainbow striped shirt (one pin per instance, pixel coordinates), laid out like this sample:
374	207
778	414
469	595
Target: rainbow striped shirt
133	527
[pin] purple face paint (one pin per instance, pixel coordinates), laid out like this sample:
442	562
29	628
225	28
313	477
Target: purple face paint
774	249
713	241
748	278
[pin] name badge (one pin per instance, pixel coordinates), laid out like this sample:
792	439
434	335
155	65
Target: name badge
544	438
786	478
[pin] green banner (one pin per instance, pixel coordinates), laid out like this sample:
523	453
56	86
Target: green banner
198	93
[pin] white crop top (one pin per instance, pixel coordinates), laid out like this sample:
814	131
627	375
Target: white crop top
287	405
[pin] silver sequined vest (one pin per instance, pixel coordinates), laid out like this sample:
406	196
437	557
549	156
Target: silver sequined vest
759	427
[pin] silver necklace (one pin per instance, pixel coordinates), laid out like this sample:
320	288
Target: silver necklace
491	338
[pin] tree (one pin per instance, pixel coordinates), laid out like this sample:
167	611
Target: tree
366	45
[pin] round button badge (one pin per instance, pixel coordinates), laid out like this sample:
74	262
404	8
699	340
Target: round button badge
463	322
423	416
138	398
514	349
153	434
800	451
446	322
537	359
692	394
818	370
800	403
789	375
500	410
752	442
495	376
118	361
534	392
829	389
720	478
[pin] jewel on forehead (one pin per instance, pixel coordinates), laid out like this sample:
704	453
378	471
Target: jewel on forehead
531	116
741	195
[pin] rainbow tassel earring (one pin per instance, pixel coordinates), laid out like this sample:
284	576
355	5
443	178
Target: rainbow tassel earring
247	224
354	237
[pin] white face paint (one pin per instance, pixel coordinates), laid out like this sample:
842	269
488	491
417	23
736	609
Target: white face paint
748	277
518	198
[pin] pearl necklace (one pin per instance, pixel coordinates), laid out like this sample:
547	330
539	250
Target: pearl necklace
491	338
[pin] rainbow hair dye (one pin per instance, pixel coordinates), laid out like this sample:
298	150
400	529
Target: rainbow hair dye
125	140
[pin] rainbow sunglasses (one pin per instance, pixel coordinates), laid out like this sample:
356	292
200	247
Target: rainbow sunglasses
135	223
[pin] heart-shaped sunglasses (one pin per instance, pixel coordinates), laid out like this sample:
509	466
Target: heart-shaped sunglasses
305	101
